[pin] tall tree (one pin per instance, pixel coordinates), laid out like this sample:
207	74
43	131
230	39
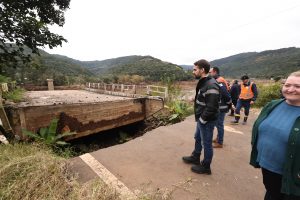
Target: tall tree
25	23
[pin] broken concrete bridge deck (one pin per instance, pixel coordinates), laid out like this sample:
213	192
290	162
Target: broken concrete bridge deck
79	111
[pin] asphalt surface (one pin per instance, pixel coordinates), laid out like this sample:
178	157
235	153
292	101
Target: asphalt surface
153	163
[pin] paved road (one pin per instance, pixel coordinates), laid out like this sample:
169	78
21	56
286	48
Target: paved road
153	162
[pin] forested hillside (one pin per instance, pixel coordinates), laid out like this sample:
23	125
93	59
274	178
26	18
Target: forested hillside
64	70
265	64
149	67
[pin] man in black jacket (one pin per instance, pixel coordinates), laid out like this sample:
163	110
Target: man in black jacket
206	106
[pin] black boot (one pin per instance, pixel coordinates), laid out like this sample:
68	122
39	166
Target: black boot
245	120
236	119
201	168
193	159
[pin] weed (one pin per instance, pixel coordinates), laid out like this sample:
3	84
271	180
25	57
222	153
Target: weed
15	95
48	135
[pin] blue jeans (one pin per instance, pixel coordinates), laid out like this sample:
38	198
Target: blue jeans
220	127
203	139
242	103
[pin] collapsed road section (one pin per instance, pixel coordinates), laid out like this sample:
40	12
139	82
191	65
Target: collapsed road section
80	111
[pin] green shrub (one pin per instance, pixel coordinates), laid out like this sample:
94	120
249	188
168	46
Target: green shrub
4	79
48	135
267	93
15	95
178	108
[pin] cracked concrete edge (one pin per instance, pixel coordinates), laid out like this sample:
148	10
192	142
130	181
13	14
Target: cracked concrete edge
108	177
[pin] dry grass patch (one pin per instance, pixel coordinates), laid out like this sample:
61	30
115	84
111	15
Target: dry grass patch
34	172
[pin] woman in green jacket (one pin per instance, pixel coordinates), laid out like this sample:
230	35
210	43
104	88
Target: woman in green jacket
276	143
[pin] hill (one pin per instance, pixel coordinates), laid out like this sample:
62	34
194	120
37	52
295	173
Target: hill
149	67
265	64
62	69
65	70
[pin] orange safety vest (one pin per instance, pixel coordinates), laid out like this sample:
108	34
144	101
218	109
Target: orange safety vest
220	79
246	92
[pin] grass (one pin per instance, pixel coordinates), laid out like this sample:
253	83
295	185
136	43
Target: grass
34	172
15	95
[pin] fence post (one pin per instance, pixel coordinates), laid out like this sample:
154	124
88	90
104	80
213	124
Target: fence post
113	87
50	84
3	117
166	93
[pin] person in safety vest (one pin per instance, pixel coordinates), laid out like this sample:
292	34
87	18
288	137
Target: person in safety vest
215	72
225	104
248	94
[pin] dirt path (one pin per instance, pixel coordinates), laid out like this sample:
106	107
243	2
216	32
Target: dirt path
153	162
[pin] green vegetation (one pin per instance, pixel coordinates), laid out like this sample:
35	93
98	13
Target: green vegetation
4	79
26	23
48	135
136	69
178	108
63	71
33	172
15	95
267	93
266	64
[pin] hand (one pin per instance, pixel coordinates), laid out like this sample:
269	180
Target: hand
251	102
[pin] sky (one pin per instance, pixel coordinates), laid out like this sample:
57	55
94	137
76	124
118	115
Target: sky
177	31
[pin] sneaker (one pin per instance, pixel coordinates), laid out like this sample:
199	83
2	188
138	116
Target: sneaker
200	169
234	122
191	159
218	145
244	123
215	140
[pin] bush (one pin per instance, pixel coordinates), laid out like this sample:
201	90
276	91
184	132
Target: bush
178	108
15	95
267	93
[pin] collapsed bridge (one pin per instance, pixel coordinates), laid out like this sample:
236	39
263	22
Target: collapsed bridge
81	111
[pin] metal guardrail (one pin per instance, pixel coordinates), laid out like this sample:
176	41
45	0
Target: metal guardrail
151	90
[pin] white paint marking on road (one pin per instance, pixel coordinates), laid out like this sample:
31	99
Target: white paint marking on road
230	129
108	177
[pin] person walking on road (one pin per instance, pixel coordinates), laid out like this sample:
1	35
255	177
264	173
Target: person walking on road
206	107
276	143
234	94
248	94
225	103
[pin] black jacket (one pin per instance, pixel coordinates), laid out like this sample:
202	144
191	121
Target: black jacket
206	105
235	92
225	101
